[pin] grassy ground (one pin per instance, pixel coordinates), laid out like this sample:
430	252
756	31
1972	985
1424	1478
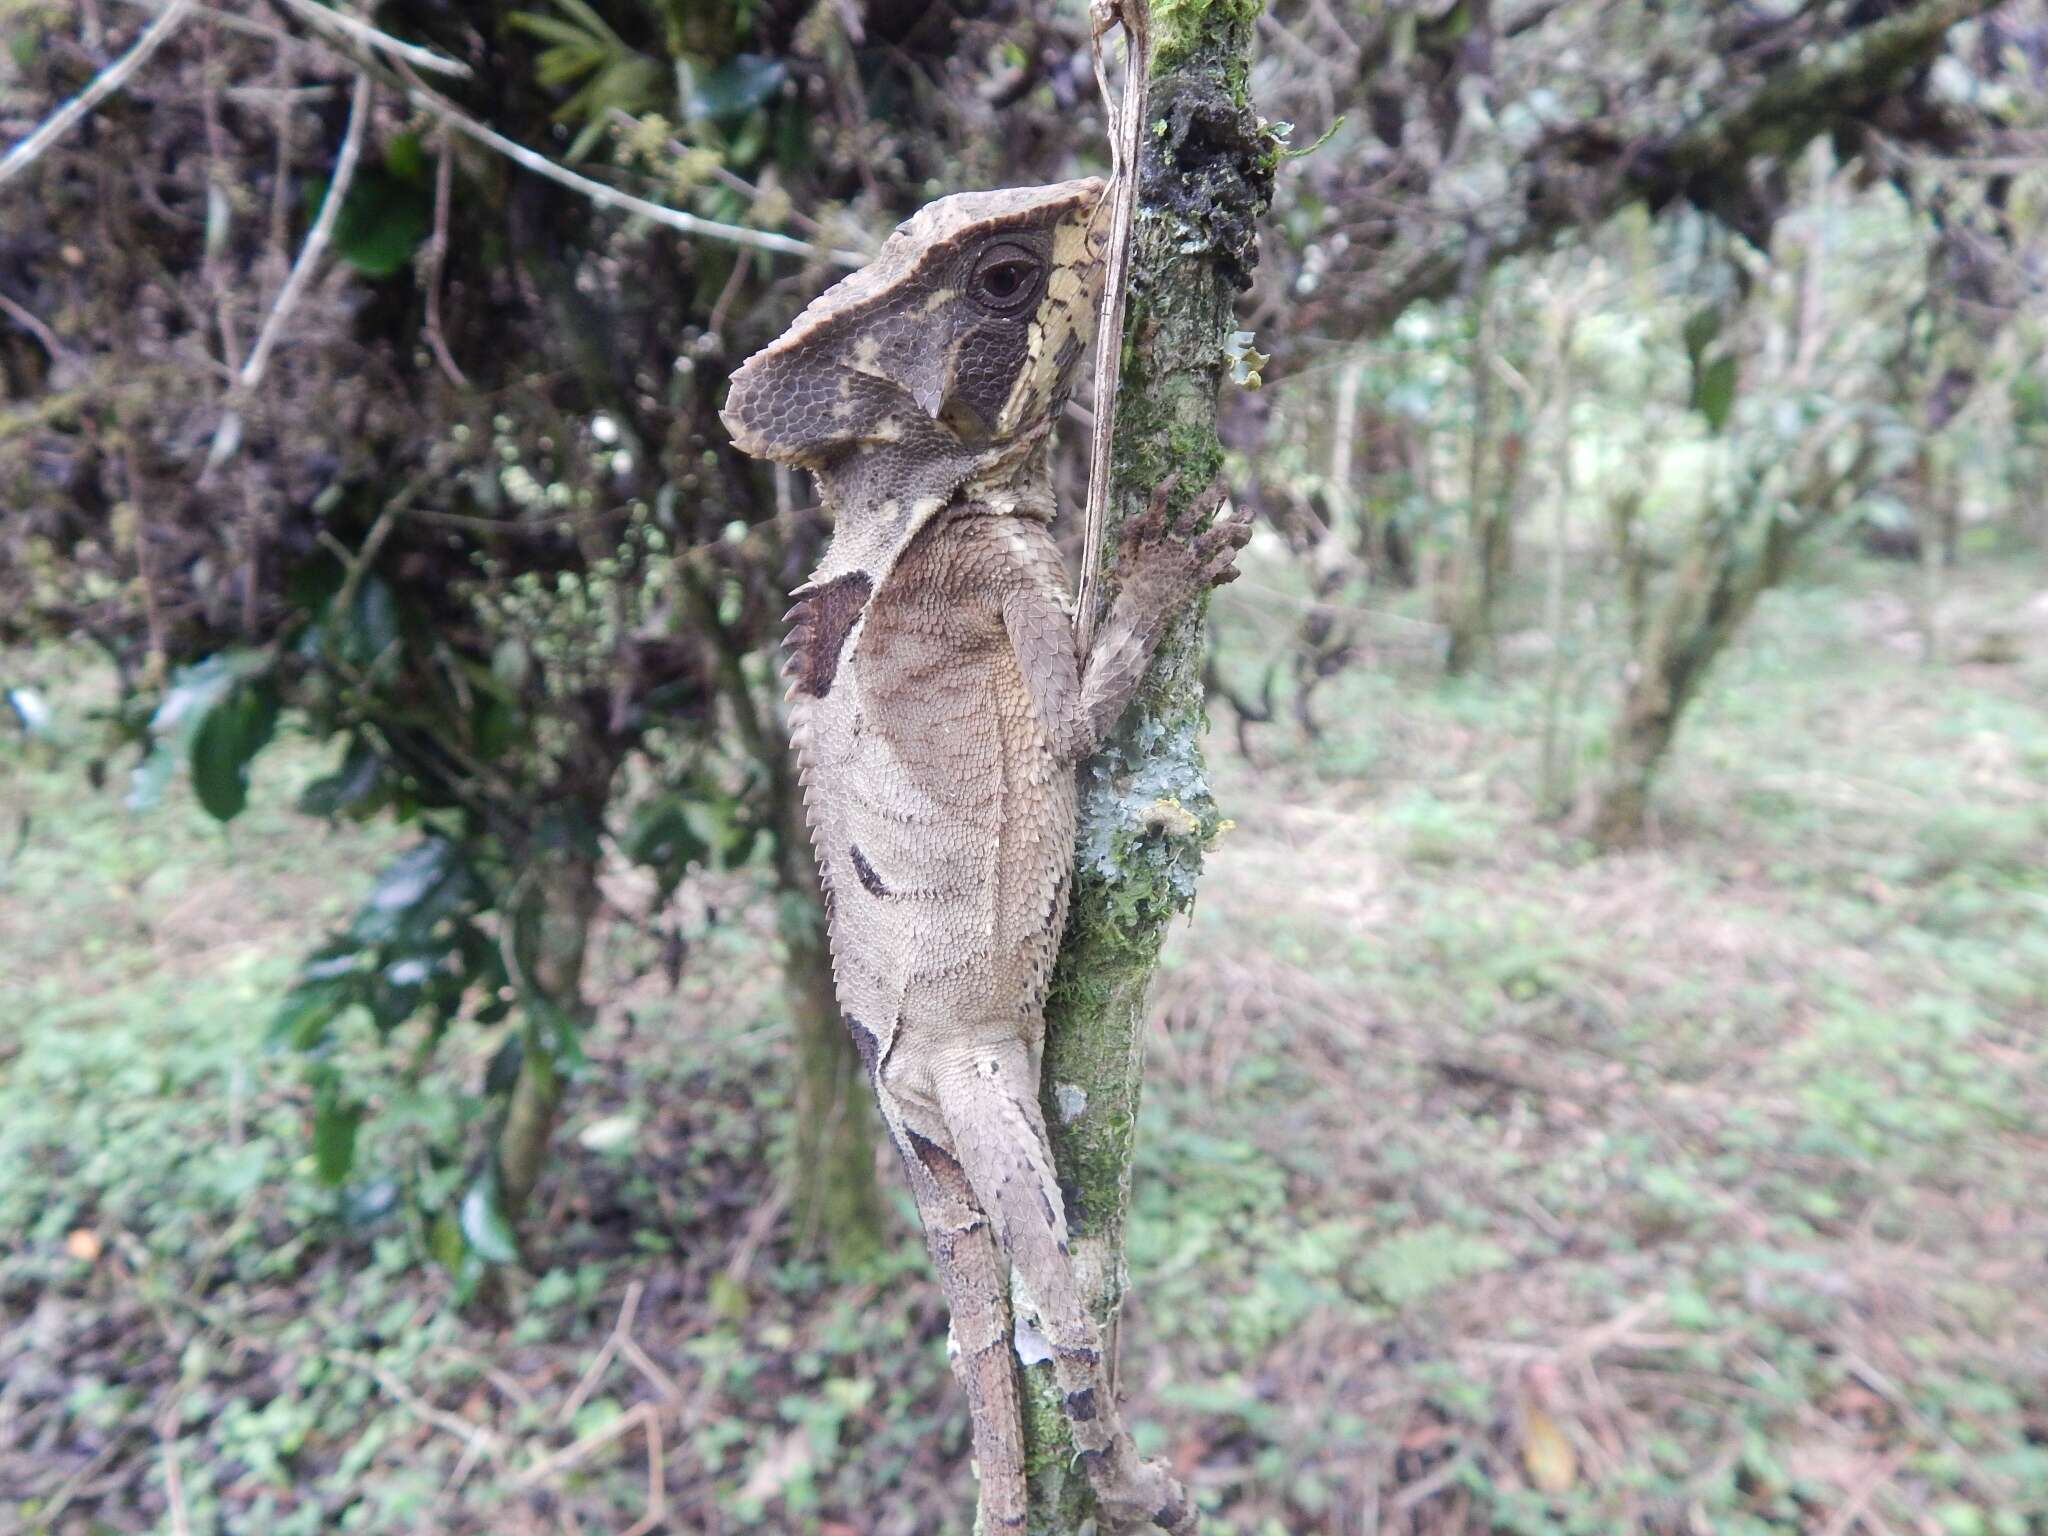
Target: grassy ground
1484	1185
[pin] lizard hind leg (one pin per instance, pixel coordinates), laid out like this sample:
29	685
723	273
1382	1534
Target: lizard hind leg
990	1104
963	1250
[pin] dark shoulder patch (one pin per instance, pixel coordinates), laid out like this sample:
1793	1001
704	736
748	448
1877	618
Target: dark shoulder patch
819	625
869	880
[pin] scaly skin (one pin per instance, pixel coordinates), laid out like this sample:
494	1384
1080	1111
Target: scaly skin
939	706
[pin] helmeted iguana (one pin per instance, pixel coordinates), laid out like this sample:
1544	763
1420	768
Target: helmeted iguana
939	707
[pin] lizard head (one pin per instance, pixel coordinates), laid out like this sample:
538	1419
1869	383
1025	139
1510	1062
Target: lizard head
956	342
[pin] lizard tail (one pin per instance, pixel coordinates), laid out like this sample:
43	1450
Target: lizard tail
990	1105
964	1251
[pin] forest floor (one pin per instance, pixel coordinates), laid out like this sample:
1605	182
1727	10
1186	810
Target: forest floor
1483	1185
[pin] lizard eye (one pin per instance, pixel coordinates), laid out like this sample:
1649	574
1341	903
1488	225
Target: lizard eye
1006	278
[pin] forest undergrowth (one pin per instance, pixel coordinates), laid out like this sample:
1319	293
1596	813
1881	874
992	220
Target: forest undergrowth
1484	1184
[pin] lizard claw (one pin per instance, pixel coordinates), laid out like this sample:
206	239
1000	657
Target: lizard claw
1178	556
1150	525
1216	546
1164	562
1204	506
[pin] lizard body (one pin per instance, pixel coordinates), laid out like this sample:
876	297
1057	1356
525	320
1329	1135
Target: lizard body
939	706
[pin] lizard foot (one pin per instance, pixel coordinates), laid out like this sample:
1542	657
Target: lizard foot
1141	1496
1178	557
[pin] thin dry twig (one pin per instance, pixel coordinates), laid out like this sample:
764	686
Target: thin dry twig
611	197
1126	120
29	322
77	1481
1857	1506
437	256
664	1384
759	1225
569	1455
724	176
174	1477
470	1434
316	238
382	42
227	436
103	85
594	1372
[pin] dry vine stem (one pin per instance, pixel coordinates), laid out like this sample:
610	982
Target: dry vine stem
104	84
1126	122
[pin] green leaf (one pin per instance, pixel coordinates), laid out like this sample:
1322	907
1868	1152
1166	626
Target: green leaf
1701	327
560	66
382	221
494	725
335	1123
401	983
405	157
737	86
237	726
415	891
366	1204
146	785
630	84
355	789
1714	391
559	1030
595	25
1421	1261
485	1225
503	1071
661	837
31	711
373	619
308	1012
553	29
191	696
445	1243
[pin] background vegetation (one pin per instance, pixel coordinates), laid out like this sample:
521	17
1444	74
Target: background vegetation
1601	1086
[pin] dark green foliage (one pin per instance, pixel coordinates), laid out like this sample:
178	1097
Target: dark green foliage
1713	389
385	214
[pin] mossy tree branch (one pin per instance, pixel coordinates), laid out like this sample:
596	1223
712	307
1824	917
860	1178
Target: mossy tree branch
1583	174
1146	811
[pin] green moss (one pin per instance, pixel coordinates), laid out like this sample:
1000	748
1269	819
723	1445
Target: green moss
1182	30
1146	813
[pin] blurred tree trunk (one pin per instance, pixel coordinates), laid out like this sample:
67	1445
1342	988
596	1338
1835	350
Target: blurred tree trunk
1738	550
551	934
1479	569
1555	774
1146	812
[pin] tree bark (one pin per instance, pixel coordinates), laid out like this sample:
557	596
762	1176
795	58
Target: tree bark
1146	813
1477	567
1738	551
551	933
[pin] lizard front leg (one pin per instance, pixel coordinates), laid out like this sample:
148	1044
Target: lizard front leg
1162	562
